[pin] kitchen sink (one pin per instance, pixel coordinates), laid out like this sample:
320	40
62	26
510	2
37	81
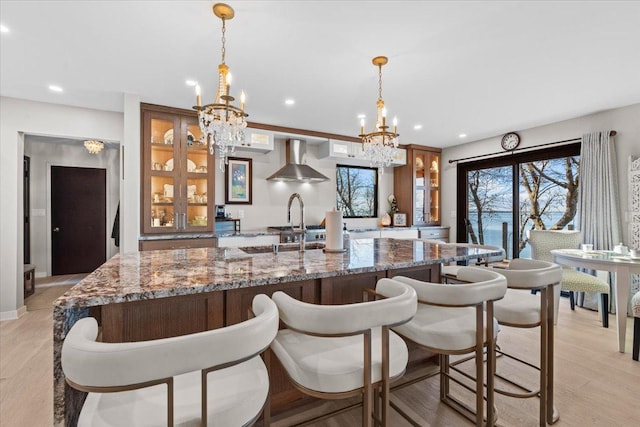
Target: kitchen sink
282	247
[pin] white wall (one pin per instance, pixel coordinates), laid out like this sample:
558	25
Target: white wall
19	117
270	198
626	121
43	155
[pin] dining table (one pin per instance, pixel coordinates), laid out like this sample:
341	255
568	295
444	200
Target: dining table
621	265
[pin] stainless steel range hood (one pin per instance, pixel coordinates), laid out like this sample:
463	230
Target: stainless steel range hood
296	169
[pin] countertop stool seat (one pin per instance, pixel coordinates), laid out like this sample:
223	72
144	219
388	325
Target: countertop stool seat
635	305
164	381
520	308
341	351
451	320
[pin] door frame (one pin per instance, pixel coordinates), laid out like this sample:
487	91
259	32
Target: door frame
512	160
77	164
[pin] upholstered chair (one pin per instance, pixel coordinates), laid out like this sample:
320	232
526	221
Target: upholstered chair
543	241
520	308
451	320
214	378
341	351
635	306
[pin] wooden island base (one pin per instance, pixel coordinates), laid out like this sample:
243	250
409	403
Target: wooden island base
180	315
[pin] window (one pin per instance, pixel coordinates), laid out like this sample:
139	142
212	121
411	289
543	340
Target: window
357	191
501	199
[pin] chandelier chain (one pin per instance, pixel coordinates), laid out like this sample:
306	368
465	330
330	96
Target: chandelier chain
224	39
379	82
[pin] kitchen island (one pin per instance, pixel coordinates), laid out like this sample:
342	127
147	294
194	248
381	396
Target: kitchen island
156	294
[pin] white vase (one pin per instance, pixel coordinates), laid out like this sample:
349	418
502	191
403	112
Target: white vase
385	221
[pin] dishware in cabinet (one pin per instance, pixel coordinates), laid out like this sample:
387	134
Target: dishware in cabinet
417	185
177	173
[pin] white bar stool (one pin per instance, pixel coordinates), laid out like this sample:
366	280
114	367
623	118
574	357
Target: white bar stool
215	376
522	309
341	351
451	320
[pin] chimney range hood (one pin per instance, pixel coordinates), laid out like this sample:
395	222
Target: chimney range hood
296	169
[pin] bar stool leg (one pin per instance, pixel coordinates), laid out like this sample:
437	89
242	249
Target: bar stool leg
552	415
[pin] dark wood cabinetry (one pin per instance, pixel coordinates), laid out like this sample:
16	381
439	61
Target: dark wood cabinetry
177	173
417	186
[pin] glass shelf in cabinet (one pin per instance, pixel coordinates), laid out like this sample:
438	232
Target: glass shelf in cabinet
162	147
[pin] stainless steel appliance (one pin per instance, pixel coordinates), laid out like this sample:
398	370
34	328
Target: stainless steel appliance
296	168
314	233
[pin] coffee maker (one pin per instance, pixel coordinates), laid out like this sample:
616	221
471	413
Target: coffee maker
220	211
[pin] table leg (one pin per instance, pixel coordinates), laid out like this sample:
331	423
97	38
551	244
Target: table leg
622	300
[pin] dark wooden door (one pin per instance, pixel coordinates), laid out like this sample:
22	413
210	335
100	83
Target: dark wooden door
78	219
26	208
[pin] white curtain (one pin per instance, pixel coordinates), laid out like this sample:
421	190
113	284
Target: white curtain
599	201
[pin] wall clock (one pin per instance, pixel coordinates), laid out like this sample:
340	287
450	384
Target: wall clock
510	141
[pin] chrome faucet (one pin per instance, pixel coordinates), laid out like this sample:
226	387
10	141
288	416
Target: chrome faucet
302	230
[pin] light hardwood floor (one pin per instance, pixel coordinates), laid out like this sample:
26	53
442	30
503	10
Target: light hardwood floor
595	384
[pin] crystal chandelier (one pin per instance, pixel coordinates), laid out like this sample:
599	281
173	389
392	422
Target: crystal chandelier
380	145
221	121
93	146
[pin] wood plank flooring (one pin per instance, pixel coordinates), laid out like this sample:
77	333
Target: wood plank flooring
595	384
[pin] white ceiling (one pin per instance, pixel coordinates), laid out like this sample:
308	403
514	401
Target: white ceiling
481	68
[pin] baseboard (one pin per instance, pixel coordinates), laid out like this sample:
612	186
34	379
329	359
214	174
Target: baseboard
13	314
41	274
21	311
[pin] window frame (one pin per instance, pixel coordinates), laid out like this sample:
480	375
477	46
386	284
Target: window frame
512	160
375	189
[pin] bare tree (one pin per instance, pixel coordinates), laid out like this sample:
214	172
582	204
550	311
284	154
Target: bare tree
355	191
487	194
550	185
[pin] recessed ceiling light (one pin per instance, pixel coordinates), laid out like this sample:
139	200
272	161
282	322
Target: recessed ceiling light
417	127
55	88
191	82
362	116
4	29
462	135
289	101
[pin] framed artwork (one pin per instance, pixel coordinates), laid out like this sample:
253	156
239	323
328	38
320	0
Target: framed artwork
399	220
237	178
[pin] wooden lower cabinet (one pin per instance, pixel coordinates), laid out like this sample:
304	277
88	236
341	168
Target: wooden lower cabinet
162	318
152	245
180	315
348	289
238	304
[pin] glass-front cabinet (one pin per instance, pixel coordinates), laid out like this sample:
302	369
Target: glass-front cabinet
178	174
417	186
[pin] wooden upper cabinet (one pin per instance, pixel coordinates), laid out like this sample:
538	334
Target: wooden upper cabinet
417	186
177	173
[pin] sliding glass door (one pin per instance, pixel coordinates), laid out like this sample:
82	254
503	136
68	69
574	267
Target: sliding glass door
489	218
500	199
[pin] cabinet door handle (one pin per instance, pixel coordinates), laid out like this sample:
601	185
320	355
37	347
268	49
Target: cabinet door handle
176	224
184	221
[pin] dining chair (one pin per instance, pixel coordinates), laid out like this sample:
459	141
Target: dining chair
214	378
635	305
543	241
342	351
520	308
456	320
